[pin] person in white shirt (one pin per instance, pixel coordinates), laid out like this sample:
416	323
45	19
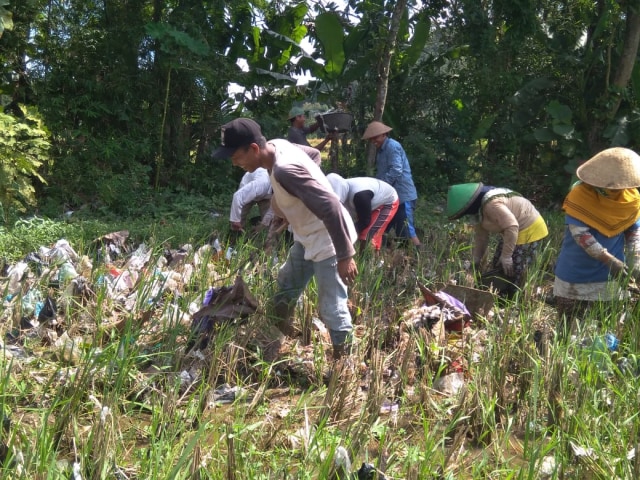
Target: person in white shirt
371	202
254	189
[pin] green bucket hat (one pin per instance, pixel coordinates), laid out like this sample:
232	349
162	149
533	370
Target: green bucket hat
460	197
294	112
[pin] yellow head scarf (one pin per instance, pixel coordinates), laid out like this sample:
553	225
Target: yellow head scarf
610	212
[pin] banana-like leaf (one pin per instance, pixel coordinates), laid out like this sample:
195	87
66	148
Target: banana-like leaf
6	17
331	36
419	40
276	75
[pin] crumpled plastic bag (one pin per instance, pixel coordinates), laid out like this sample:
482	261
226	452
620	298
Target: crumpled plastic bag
457	315
223	305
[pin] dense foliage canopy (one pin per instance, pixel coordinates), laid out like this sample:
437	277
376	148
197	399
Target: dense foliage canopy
130	94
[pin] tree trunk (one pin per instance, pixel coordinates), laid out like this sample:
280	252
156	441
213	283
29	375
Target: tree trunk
622	74
620	81
383	74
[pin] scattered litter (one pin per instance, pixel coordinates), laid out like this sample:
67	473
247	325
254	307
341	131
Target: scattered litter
548	467
226	394
389	406
454	313
580	451
450	384
225	305
342	466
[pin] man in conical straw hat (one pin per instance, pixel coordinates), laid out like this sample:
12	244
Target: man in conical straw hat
602	221
392	166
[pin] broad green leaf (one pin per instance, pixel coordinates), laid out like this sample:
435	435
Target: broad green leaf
483	127
562	129
568	149
544	135
353	41
419	40
330	34
559	112
6	20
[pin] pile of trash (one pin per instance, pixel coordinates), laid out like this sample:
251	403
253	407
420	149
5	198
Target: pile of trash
446	316
45	295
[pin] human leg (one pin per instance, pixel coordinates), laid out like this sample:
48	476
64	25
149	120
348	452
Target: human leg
293	277
400	221
380	219
568	309
523	256
332	303
410	223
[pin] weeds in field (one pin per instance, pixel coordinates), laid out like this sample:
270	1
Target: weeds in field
121	397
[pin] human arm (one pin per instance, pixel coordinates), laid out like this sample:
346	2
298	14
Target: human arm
632	244
327	139
321	201
480	244
500	215
583	237
391	159
251	192
362	204
312	153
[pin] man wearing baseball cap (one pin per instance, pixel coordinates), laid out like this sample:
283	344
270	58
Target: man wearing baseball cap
323	231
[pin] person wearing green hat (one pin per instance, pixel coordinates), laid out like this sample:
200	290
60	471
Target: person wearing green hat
298	131
502	211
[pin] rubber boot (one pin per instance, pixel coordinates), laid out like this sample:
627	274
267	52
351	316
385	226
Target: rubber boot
283	312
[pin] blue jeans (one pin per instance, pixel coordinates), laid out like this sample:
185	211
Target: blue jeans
293	278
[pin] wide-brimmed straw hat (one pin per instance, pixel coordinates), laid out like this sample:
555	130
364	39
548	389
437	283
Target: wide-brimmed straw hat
614	168
374	129
460	197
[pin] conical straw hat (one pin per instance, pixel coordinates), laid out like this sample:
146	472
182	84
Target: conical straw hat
614	168
460	197
374	129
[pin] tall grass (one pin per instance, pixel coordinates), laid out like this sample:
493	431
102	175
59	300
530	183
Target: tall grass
126	400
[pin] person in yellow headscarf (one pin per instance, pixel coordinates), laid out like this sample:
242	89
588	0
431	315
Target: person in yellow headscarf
602	221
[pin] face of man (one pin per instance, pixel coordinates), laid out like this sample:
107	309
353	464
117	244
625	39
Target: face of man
298	121
247	158
378	140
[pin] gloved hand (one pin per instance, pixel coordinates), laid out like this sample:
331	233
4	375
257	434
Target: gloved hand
507	266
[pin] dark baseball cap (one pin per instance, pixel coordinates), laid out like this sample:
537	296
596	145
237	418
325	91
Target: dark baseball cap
240	132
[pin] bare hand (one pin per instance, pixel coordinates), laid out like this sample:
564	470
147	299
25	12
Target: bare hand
347	270
237	227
